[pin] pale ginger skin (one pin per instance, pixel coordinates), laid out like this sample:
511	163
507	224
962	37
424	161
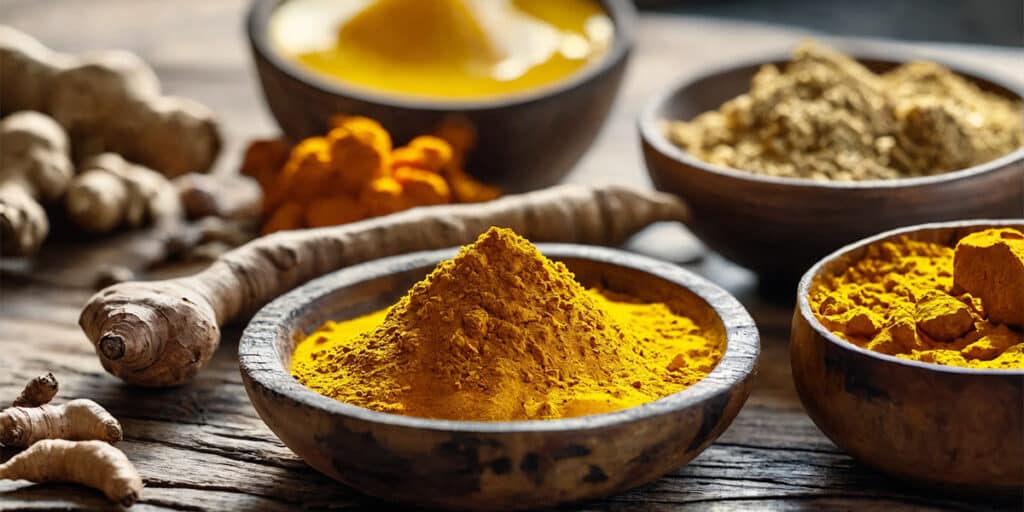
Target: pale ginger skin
77	420
215	195
161	333
38	391
35	167
92	463
109	192
108	102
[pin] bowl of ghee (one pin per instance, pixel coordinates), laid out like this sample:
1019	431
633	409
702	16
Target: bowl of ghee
421	456
905	353
535	79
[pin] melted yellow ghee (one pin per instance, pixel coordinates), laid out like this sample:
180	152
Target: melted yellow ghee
443	48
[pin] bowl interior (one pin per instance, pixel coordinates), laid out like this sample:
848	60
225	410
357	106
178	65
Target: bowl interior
373	295
621	12
944	233
708	92
379	284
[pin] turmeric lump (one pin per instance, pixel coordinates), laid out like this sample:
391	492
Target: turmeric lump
501	333
353	173
928	302
827	117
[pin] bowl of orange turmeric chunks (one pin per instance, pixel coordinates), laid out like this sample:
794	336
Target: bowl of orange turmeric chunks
501	375
908	352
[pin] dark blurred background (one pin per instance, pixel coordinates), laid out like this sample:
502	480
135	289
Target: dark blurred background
999	22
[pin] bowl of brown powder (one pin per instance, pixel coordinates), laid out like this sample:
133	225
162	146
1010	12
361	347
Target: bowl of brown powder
783	161
502	376
908	352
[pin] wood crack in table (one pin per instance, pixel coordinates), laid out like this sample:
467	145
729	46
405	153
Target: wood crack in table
202	447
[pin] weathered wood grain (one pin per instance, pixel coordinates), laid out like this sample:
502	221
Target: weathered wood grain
202	447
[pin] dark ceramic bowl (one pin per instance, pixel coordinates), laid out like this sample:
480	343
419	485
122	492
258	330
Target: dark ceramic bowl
958	428
778	227
525	141
495	465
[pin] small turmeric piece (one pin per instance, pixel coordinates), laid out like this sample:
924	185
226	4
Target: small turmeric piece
92	463
38	391
76	420
353	172
990	265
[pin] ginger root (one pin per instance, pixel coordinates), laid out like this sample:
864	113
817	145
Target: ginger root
92	463
79	419
214	195
110	192
161	333
35	166
107	102
38	391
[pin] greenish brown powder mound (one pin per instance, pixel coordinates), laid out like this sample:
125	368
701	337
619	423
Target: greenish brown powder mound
827	117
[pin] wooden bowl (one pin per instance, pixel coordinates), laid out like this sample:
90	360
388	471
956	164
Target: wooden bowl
778	227
525	141
495	465
958	428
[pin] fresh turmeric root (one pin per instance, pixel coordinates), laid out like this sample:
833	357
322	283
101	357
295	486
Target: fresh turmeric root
161	333
79	419
110	192
35	167
92	463
38	391
107	102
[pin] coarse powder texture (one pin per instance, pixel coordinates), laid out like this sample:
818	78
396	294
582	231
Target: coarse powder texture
904	298
502	333
827	117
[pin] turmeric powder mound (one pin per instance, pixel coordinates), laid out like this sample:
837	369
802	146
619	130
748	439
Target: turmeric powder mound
827	117
928	302
502	333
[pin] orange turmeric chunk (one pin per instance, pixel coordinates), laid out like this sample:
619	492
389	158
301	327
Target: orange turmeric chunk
383	196
263	160
465	189
308	170
424	152
330	211
287	216
943	317
460	134
359	152
990	265
421	188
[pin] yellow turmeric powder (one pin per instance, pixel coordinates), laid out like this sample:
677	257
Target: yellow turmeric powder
502	333
925	301
353	173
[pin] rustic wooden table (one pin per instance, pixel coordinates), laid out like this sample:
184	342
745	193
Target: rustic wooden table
202	447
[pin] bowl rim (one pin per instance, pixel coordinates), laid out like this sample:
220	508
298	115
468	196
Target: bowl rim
804	306
738	362
622	13
649	124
